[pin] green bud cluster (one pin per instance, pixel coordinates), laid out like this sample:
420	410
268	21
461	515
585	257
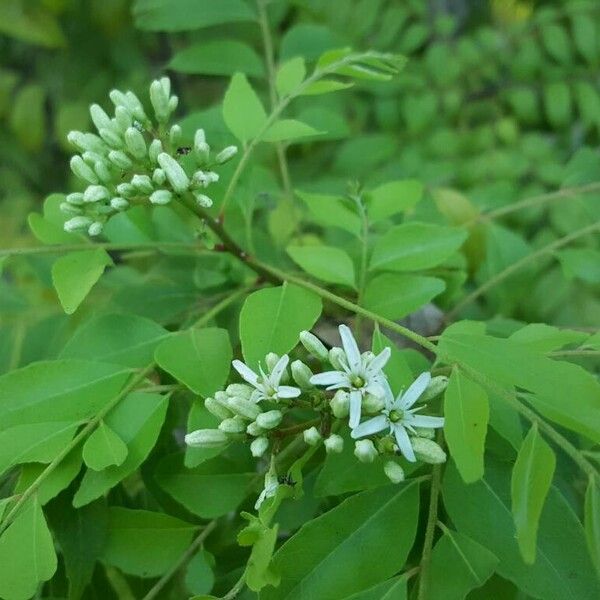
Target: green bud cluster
132	160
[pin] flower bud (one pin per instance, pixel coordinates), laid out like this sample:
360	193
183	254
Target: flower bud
91	158
100	119
271	360
142	183
86	141
241	390
313	345
269	419
311	436
428	451
217	409
158	176
394	471
202	200
173	102
244	408
226	154
120	159
122	119
101	169
95	228
233	425
436	386
259	446
154	150
221	396
135	106
76	198
175	135
255	429
206	438
337	358
175	174
119	203
69	209
127	190
372	404
159	97
77	224
95	193
161	197
204	178
83	171
425	433
365	451
201	148
340	404
136	145
111	137
334	444
301	374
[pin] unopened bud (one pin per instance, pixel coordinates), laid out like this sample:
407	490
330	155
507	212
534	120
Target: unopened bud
161	197
159	98
175	174
142	183
135	106
201	148
175	135
334	444
122	118
217	409
394	471
271	360
243	407
100	119
120	159
77	224
173	102
206	438
101	169
312	436
365	451
76	198
301	374
158	176
241	390
233	425
269	419
83	171
204	178
337	358
69	209
428	451
202	200
425	433
127	190
154	150
95	228
119	203
111	137
95	193
436	386
226	154
340	404
136	145
259	446
313	345
91	158
255	429
372	404
86	141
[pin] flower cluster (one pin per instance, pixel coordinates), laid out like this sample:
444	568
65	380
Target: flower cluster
132	160
351	389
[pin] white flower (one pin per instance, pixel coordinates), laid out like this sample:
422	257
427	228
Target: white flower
267	386
398	416
361	374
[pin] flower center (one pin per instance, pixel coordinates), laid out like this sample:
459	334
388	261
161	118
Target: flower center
357	381
396	415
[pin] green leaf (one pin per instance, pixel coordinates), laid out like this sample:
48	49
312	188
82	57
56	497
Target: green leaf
330	211
243	111
258	571
325	86
482	511
581	263
199	576
290	75
210	490
466	412
49	228
584	37
327	263
592	521
75	274
287	130
458	565
397	369
104	448
137	420
33	24
393	197
200	358
358	534
218	57
200	418
531	479
121	339
395	295
27	554
271	320
415	246
545	338
392	589
145	543
186	15
557	102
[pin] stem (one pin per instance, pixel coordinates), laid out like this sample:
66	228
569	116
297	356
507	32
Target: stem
502	275
281	433
362	277
236	589
183	559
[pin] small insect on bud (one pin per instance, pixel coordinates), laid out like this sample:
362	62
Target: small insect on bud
142	183
206	438
259	446
340	404
100	119
202	200
394	471
255	429
174	171
436	386
428	451
95	228
312	436
269	419
201	148
77	224
334	444
217	409
372	404
365	451
136	145
83	171
233	425
337	358
161	197
95	193
241	390
76	198
154	150
313	345
226	154
244	408
127	190
111	137
69	209
120	159
175	135
301	374
119	203
123	118
158	176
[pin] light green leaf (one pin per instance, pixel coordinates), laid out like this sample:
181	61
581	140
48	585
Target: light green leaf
27	555
137	420
287	130
415	246
545	338
395	295
585	36
397	369
145	543
330	211
200	358
104	448
324	262
290	75
243	111
531	479
393	197
592	520
458	565
218	57
271	320
126	340
466	410
49	228
199	575
186	15
325	86
358	534
392	589
258	571
581	263
33	24
74	275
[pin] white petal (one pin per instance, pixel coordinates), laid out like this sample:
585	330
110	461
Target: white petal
388	397
350	348
403	442
425	421
278	370
246	372
355	406
379	361
257	396
375	389
417	387
374	425
329	378
287	391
